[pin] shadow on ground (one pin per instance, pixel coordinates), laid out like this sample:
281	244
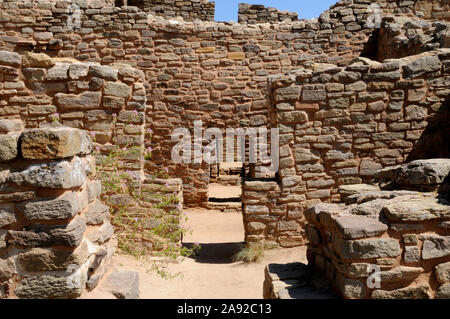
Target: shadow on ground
216	253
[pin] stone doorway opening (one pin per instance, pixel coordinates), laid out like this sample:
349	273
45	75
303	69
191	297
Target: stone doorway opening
225	188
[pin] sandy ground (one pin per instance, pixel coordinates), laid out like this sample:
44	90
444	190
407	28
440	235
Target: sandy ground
212	274
223	191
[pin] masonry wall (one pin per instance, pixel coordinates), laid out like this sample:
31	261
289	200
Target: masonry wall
386	244
254	13
190	10
215	72
56	239
338	126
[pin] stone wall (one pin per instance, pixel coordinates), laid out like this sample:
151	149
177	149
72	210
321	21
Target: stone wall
338	126
190	10
255	13
387	244
107	101
215	72
56	239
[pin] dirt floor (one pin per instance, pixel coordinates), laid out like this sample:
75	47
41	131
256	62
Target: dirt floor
212	274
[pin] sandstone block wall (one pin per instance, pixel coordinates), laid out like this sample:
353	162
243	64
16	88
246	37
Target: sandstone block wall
107	102
338	126
254	13
215	72
56	239
386	244
190	10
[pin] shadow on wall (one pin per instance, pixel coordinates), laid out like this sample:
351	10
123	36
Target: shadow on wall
216	253
435	139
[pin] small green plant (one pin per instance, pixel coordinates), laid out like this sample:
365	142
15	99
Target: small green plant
252	252
148	223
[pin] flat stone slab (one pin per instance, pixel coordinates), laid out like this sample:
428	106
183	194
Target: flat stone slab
348	190
415	210
418	292
417	173
122	284
354	227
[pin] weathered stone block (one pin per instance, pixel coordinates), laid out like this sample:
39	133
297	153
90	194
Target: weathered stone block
442	272
418	292
422	65
83	101
7	126
39	259
60	174
96	213
69	235
46	286
353	227
418	209
443	292
8	147
54	143
7	215
367	248
435	246
64	207
117	89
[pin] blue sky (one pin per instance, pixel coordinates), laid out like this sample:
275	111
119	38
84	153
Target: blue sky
227	10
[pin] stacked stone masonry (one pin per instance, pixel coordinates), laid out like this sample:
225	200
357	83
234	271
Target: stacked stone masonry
215	72
338	126
388	244
56	239
189	10
253	14
218	73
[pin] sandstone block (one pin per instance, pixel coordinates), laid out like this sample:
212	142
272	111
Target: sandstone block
69	235
8	147
54	143
96	213
60	174
7	215
401	273
443	292
10	58
83	101
117	89
122	284
435	246
40	259
442	272
46	286
422	65
103	72
7	126
417	209
418	292
367	248
64	207
354	227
